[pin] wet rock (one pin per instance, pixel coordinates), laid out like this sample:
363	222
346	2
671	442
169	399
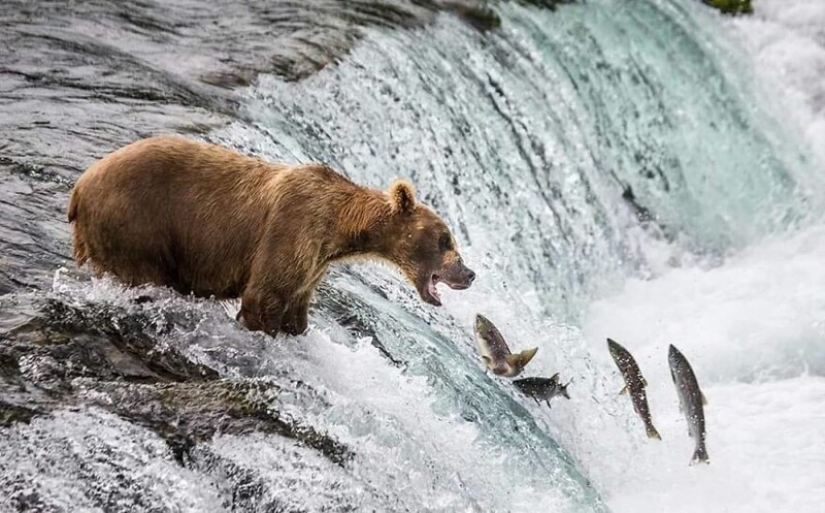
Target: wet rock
54	356
98	342
10	413
548	4
185	414
477	15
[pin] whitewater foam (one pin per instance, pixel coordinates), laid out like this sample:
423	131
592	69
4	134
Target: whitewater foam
785	42
752	330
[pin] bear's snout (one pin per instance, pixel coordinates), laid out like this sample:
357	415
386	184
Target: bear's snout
453	273
458	276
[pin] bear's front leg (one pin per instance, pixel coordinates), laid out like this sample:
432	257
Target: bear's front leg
282	269
262	312
296	317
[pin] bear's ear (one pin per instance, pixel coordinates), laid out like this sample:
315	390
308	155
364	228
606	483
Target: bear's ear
402	196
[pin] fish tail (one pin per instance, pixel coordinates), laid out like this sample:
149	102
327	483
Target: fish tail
521	359
527	355
652	433
700	455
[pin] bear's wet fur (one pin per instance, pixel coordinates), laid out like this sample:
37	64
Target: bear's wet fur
206	220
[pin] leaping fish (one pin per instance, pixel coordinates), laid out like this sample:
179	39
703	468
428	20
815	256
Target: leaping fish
634	383
691	401
543	388
495	352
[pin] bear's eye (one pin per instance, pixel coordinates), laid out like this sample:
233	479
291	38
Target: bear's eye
445	242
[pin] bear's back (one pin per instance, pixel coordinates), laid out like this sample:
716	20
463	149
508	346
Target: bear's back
173	211
191	215
162	162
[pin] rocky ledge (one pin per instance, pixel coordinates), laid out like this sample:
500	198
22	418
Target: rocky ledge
60	357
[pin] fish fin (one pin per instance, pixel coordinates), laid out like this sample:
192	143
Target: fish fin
537	400
700	456
564	391
623	391
521	359
652	433
487	361
555	377
704	400
548	403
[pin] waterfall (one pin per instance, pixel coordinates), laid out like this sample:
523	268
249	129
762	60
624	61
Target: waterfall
609	169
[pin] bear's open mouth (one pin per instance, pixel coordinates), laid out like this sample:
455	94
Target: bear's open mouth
429	292
432	291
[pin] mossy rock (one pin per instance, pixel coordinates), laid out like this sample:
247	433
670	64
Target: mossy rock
731	6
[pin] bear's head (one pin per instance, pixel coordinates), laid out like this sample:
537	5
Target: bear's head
420	244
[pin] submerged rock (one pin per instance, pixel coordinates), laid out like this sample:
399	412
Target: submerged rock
477	14
351	312
549	4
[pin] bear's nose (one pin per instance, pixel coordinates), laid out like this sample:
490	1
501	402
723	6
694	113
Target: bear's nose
471	275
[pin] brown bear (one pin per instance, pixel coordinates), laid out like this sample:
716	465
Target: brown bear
209	221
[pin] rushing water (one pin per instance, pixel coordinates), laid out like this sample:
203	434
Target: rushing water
529	141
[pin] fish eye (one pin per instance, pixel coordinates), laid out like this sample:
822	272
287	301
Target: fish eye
445	242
